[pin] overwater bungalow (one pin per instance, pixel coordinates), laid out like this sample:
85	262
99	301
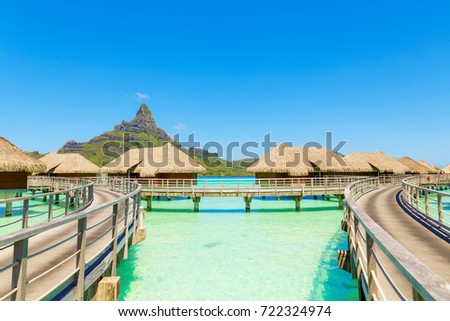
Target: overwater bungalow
374	164
286	161
164	162
68	165
446	169
414	167
433	168
15	166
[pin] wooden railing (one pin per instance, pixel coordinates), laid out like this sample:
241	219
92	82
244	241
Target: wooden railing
97	234
380	263
222	186
426	194
67	196
81	248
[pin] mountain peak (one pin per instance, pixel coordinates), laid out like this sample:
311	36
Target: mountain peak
145	117
143	109
143	122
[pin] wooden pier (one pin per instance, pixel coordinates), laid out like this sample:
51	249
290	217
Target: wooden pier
395	254
297	188
392	256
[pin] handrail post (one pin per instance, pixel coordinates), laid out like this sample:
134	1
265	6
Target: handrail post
125	251
50	207
26	208
67	204
114	235
427	203
370	265
76	200
408	193
440	211
84	196
19	272
135	216
418	198
81	257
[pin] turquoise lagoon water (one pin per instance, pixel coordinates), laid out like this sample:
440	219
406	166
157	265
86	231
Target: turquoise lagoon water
434	206
37	214
223	253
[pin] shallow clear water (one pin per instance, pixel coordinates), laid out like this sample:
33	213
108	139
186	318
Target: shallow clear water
433	206
223	253
38	213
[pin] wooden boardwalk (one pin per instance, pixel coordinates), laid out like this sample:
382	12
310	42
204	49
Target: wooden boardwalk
49	259
391	254
381	205
296	188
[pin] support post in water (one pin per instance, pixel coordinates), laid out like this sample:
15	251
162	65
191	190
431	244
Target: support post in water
297	200
196	200
8	205
149	203
341	201
247	200
141	231
8	210
108	289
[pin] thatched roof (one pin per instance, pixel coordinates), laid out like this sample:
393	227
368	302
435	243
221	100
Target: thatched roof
446	169
70	163
432	168
148	162
374	162
13	159
414	167
299	161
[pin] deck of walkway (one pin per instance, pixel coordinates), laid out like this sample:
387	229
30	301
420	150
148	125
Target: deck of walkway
382	207
52	257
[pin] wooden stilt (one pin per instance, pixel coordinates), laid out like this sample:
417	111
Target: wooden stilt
149	203
297	200
9	205
344	260
196	200
341	201
8	211
247	200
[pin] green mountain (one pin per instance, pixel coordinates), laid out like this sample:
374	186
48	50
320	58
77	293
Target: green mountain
105	147
142	131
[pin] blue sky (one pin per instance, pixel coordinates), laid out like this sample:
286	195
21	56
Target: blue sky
376	74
